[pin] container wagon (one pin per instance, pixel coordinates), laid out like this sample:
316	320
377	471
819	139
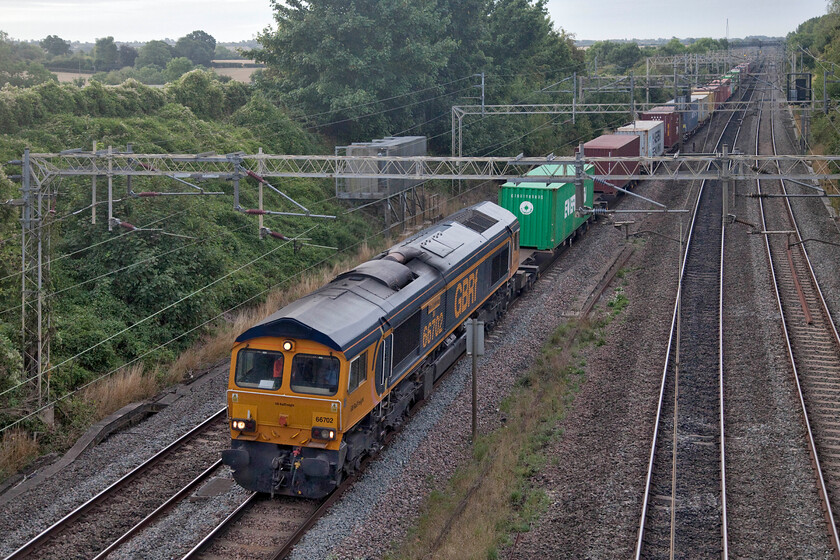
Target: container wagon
716	95
546	211
705	105
689	111
725	90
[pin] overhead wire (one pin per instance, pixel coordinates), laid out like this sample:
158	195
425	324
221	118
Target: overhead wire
360	105
144	261
383	111
221	278
89	247
153	315
22	383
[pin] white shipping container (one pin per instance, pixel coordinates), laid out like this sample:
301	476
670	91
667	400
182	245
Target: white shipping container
706	102
651	136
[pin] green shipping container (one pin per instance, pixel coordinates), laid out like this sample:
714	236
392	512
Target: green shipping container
734	79
546	212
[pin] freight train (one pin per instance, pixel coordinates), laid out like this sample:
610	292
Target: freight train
315	387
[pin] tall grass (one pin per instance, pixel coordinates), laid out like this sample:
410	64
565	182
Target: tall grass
216	347
136	383
126	386
17	449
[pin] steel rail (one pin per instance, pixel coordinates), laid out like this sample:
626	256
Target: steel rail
226	522
157	513
724	507
815	459
31	546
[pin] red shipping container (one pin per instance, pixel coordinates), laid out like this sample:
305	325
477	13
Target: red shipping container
725	89
613	145
672	120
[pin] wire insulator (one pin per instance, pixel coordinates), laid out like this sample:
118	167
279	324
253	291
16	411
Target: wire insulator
127	226
254	175
148	194
256	211
276	235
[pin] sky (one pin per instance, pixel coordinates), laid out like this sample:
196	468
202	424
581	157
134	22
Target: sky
239	20
652	19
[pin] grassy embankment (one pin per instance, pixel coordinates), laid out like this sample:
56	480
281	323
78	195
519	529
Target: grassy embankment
492	498
96	286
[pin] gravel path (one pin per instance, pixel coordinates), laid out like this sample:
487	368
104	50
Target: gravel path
596	483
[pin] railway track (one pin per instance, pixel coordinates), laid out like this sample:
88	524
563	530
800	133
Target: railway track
261	528
812	342
684	506
135	500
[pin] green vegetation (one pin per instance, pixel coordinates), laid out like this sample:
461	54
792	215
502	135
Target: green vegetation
366	68
21	64
612	57
195	113
816	43
156	62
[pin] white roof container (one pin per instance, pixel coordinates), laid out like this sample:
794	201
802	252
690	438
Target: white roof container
651	136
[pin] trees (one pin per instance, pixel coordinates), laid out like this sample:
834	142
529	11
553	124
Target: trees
18	66
224	53
55	45
197	46
127	55
154	52
176	68
341	56
672	47
622	56
366	68
524	38
105	54
706	44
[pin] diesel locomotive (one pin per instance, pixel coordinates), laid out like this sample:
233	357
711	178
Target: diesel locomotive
315	387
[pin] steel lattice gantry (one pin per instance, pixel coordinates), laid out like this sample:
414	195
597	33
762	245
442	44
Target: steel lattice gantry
39	170
35	318
44	167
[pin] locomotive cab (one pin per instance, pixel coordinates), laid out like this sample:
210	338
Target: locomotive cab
285	410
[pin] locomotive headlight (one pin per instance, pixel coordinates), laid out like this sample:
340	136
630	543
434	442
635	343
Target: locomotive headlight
288	345
244	425
323	433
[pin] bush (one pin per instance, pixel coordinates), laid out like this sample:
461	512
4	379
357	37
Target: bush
269	122
199	91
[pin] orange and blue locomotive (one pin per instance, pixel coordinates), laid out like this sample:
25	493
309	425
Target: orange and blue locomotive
315	387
